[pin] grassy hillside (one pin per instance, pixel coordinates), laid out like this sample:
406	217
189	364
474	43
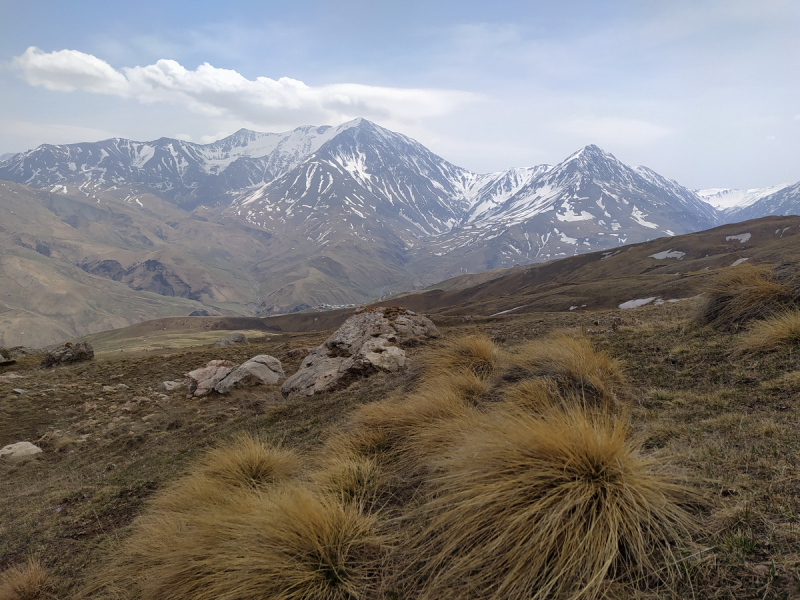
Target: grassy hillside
398	484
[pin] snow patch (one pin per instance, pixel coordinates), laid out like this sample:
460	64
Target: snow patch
742	237
636	303
739	261
668	254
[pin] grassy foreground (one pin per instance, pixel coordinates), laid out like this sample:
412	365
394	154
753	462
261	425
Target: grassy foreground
402	485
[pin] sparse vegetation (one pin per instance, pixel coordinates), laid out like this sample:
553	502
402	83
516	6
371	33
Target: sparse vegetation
385	490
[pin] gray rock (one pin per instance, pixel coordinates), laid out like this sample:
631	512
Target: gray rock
202	381
68	353
365	344
234	339
170	386
20	450
259	370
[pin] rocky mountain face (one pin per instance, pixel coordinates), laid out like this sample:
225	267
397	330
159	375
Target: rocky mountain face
264	223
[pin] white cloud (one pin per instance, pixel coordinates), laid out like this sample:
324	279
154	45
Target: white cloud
216	92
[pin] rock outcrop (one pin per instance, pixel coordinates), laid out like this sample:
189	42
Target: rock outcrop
259	370
68	353
365	344
234	339
20	450
202	381
222	375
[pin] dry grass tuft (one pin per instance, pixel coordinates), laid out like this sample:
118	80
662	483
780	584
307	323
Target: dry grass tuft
357	479
476	354
742	294
534	395
292	545
250	463
23	582
578	369
548	507
775	332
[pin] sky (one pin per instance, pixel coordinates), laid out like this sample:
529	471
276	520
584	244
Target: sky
706	92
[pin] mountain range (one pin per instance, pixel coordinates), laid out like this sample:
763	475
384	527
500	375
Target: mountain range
264	223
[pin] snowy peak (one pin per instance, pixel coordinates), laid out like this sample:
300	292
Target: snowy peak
733	199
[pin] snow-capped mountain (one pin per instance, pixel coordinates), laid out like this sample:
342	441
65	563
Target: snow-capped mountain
185	173
366	181
785	201
349	213
728	199
590	201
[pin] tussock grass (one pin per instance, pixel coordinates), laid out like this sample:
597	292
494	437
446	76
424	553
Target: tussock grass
292	544
227	475
23	582
774	332
573	364
353	478
549	506
742	294
248	462
535	395
476	354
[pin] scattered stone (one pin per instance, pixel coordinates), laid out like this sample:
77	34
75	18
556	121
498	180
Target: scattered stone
109	388
170	386
300	352
202	381
9	376
19	450
19	391
68	353
6	361
122	387
234	339
259	370
365	344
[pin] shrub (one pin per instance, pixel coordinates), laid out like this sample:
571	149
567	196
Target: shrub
744	293
23	582
573	365
476	354
292	545
777	331
547	507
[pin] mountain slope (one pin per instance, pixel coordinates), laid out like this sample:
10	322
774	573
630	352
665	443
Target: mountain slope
590	201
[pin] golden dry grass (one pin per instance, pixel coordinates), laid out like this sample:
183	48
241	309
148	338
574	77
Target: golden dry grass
573	365
352	478
248	462
291	544
23	582
476	354
774	332
742	294
535	395
548	506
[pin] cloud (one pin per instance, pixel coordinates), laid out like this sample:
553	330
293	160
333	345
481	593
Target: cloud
216	92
